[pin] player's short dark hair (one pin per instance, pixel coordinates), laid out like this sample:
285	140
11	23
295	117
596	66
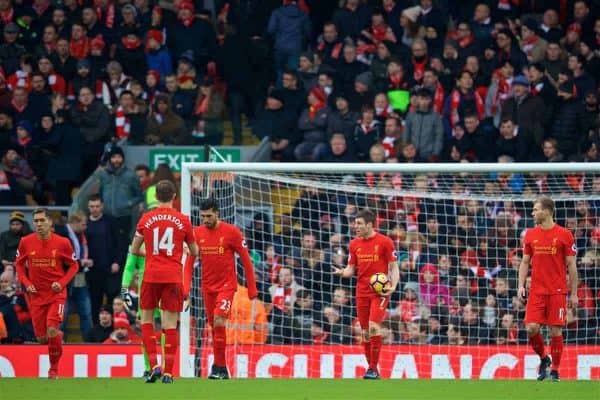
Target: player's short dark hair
209	204
96	197
367	215
546	203
165	190
41	210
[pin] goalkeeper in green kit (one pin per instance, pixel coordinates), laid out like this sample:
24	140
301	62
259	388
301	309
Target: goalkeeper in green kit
132	264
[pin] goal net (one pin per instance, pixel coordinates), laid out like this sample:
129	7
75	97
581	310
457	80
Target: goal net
458	231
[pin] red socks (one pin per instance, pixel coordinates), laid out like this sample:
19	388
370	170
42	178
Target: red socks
219	343
171	346
149	340
54	350
556	348
375	349
367	347
537	343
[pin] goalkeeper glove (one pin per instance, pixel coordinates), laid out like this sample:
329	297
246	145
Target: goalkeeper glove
126	297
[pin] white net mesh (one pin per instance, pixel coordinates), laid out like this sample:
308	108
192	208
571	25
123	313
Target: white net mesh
466	228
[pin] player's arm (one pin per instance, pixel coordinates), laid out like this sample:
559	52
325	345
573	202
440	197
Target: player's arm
573	278
69	258
394	273
393	269
241	248
347	272
131	263
20	260
523	272
136	244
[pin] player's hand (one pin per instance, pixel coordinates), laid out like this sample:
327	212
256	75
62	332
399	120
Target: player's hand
31	289
126	297
521	293
574	300
337	271
56	287
388	290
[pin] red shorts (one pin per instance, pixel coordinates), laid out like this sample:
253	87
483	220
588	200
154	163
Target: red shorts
372	308
44	316
217	303
546	309
167	296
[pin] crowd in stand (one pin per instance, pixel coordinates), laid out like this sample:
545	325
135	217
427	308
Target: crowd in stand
358	81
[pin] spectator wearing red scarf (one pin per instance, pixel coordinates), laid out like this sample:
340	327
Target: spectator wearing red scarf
130	54
532	45
79	45
462	100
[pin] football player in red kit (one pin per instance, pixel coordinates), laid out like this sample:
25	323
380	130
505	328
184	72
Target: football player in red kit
218	242
163	231
369	253
551	249
40	262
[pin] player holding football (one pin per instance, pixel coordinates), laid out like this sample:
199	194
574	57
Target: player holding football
163	231
40	263
218	242
369	253
551	250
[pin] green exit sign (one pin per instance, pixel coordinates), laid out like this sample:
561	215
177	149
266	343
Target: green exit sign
175	156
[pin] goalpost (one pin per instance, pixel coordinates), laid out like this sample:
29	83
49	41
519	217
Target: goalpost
457	230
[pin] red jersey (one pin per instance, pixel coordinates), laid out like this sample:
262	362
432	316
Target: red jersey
217	255
42	262
548	249
164	230
370	256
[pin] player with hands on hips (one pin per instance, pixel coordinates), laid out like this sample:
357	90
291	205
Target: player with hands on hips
552	251
218	242
370	253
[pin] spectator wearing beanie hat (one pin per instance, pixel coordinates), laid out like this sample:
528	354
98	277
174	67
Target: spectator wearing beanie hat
158	57
121	192
9	239
313	125
122	333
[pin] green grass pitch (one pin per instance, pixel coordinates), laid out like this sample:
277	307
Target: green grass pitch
302	389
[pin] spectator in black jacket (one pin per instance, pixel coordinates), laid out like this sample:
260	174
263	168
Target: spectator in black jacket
9	240
191	33
367	132
277	124
337	151
352	18
567	123
513	142
342	120
102	328
102	234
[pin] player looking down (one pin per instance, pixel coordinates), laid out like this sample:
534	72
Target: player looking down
551	250
40	262
369	253
163	231
218	242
